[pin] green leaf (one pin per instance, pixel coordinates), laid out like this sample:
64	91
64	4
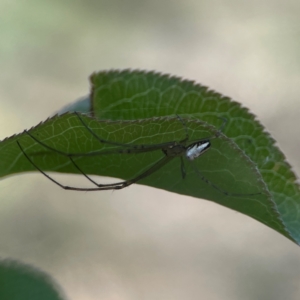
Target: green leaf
129	95
241	160
19	281
224	164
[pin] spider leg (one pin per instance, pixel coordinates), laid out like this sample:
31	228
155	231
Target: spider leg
133	149
113	186
223	124
185	128
182	167
84	174
216	135
97	137
39	169
129	148
202	177
159	164
99	186
120	185
127	145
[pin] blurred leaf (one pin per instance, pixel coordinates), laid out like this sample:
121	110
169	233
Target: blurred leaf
243	160
19	282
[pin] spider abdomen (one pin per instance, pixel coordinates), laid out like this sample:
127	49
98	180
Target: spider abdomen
196	149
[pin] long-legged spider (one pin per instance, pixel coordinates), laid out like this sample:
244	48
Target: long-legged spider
191	150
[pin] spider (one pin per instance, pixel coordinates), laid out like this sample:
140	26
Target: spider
190	149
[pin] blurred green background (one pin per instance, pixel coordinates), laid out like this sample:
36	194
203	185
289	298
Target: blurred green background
142	243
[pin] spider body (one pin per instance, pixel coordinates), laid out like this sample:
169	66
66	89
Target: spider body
196	149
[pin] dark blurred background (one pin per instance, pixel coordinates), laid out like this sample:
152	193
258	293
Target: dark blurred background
142	243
